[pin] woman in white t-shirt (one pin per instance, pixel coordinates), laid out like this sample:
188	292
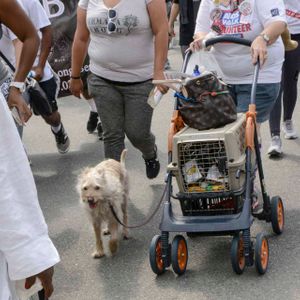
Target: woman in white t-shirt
288	92
127	44
261	22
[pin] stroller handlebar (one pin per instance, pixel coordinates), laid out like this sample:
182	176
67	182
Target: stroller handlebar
215	40
226	39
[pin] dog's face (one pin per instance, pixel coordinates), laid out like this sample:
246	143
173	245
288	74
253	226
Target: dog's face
90	188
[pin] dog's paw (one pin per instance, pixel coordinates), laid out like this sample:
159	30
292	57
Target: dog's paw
98	254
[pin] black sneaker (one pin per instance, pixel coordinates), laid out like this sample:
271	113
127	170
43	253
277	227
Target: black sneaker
62	140
152	166
92	122
100	131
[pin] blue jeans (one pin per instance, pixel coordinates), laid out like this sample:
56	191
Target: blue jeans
266	95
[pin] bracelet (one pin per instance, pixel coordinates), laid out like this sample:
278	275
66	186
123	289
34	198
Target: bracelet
75	77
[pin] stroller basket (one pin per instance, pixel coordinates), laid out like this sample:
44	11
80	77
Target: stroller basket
210	206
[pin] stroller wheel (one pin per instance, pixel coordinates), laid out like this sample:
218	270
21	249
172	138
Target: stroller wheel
179	254
155	255
277	215
237	255
261	254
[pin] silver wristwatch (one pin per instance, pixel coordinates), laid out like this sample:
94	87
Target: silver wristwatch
265	37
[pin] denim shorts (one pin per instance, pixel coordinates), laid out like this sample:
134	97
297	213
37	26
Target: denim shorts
266	95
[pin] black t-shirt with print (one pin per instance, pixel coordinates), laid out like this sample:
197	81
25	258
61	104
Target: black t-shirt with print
187	26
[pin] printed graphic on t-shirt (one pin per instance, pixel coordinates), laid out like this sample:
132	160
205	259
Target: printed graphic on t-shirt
230	22
104	24
292	14
275	12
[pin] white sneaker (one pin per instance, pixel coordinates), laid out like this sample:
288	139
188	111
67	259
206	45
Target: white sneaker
275	148
289	130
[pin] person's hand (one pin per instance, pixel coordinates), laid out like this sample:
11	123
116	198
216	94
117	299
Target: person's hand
196	45
39	73
171	32
160	76
259	51
16	100
46	280
76	87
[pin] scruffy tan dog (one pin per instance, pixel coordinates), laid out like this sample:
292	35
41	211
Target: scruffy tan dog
105	184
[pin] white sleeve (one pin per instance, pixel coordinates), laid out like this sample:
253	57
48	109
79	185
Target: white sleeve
203	18
37	14
24	239
83	4
270	11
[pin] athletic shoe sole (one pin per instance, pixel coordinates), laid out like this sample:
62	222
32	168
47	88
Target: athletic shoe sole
63	151
290	137
274	153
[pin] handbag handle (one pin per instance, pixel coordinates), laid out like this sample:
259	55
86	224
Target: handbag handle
7	62
29	81
169	82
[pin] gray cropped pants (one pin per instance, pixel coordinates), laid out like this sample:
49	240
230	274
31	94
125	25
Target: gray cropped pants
123	110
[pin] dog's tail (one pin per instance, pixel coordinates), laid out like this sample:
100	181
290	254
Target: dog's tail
123	155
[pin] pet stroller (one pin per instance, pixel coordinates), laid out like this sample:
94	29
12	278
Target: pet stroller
215	172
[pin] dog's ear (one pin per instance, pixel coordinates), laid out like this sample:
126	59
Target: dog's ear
81	176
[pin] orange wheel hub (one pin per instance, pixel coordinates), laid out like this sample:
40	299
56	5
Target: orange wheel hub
241	255
159	260
280	214
264	255
182	254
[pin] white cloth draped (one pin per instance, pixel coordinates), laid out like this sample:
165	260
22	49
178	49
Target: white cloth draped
25	247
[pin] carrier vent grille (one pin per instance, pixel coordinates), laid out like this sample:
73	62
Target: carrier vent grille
203	166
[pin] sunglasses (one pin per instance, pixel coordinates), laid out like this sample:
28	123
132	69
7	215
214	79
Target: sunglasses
111	23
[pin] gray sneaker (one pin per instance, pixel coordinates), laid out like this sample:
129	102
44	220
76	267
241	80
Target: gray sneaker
62	140
289	130
275	147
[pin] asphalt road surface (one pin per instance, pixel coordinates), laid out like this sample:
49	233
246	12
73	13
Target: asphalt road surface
128	275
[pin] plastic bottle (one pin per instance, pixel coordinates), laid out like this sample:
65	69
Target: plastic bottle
196	71
31	74
154	97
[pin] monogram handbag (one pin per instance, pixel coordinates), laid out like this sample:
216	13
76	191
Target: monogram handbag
205	102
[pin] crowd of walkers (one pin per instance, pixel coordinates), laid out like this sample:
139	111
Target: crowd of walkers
118	90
